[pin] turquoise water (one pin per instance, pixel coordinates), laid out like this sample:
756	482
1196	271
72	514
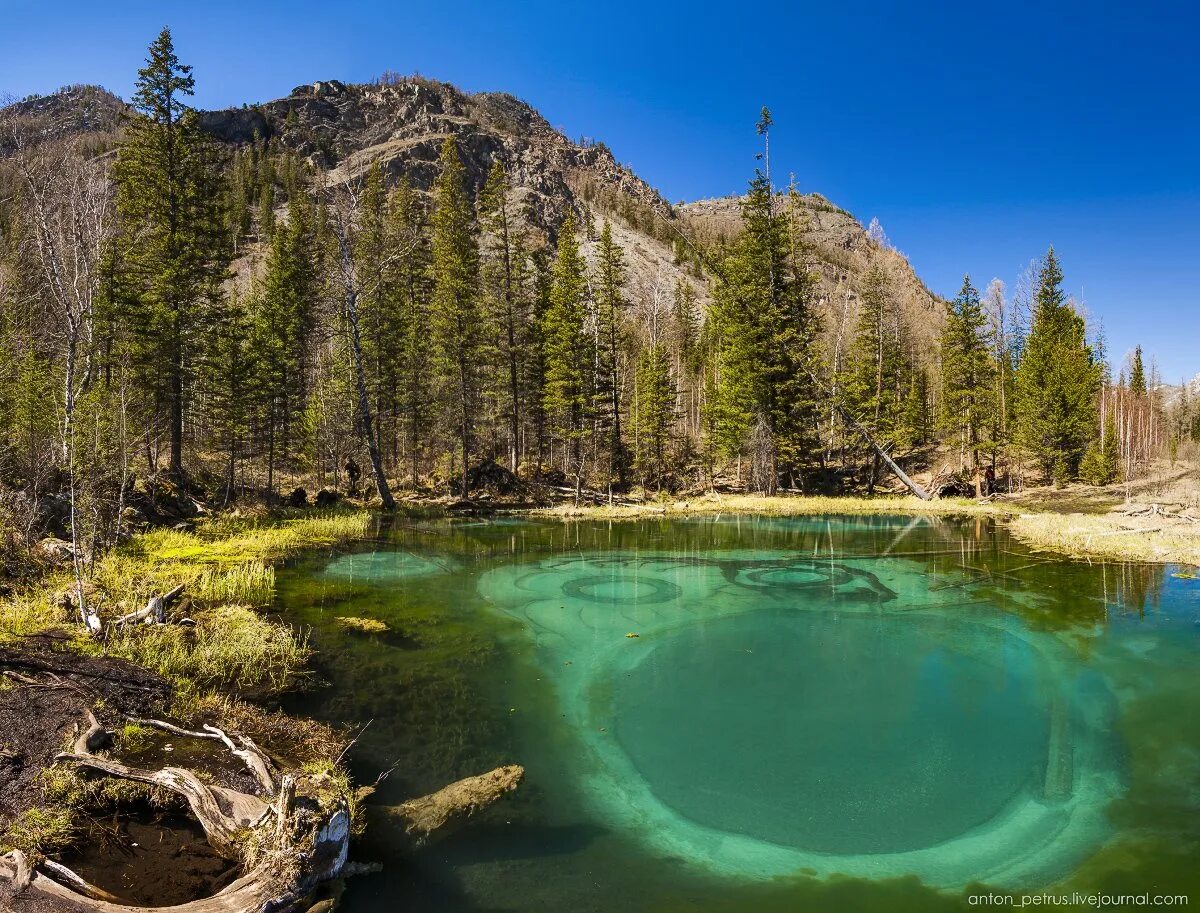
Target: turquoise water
760	713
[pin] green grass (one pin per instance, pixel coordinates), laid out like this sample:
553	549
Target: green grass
226	569
231	648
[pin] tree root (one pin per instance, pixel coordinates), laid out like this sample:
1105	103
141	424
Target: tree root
290	841
255	759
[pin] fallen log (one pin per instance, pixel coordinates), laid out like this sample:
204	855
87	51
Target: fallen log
419	821
155	611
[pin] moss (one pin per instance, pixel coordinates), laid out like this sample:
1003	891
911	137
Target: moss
38	831
362	625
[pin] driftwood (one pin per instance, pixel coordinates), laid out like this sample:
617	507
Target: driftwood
155	611
419	821
290	840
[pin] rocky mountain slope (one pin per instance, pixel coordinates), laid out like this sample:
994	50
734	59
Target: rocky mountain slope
401	123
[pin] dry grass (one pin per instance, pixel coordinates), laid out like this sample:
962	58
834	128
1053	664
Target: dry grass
779	505
1117	538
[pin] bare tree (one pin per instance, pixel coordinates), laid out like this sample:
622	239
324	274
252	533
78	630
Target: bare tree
344	223
68	206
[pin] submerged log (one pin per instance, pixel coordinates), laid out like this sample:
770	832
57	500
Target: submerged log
419	821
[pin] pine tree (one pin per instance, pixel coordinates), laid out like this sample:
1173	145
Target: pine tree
284	320
456	313
610	308
874	362
174	246
1137	373
766	399
569	352
1102	462
966	370
413	286
504	278
1057	381
654	413
381	245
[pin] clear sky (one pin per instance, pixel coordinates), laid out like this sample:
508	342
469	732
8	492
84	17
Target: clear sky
978	133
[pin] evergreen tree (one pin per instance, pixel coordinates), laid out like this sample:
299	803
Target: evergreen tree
766	399
1057	381
285	317
504	278
413	285
1102	462
966	370
654	413
174	247
610	308
1137	373
569	353
456	313
874	363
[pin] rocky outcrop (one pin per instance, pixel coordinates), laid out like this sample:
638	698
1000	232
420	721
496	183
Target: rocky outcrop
401	123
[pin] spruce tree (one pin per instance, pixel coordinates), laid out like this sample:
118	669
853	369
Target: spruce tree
413	286
456	313
966	370
1057	381
610	312
766	400
174	243
569	352
654	413
503	272
1137	373
285	316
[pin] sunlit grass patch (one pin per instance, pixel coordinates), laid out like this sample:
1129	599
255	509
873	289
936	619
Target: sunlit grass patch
230	647
1114	537
39	830
778	505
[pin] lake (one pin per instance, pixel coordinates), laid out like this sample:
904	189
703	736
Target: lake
739	713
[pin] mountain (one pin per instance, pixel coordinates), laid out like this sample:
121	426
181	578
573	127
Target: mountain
1171	393
401	123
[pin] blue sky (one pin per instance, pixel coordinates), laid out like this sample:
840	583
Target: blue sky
978	133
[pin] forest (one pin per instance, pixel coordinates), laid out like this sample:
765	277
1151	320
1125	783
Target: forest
245	322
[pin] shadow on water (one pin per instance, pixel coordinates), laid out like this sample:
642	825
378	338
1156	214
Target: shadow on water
464	645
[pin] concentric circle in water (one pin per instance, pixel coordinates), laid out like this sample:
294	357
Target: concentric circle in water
378	567
836	733
620	589
793	576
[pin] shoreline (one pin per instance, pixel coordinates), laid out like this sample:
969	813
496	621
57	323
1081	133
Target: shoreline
1158	538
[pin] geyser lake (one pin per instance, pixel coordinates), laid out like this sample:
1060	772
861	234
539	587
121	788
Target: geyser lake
877	713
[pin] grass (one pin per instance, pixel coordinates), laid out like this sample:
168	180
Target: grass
779	505
231	647
226	569
228	577
1117	538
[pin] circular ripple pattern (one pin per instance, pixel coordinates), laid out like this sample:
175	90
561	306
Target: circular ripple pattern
794	576
621	589
850	735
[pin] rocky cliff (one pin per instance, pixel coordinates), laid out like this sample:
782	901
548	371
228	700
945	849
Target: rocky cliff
401	124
